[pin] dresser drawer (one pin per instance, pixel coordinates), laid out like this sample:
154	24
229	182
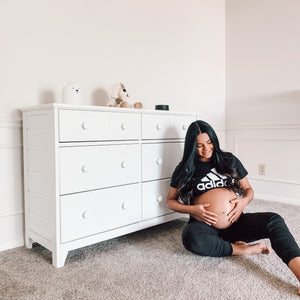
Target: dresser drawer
98	126
93	167
93	212
154	195
165	126
160	159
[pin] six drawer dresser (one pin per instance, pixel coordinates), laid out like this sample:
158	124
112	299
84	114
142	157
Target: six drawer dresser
93	173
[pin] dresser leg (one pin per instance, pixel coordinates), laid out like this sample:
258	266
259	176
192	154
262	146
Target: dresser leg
28	243
59	258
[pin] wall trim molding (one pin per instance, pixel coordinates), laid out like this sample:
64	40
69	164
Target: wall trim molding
11	123
236	140
8	146
10	127
275	180
11	214
218	128
261	126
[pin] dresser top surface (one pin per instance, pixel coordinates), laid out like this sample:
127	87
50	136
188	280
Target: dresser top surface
52	106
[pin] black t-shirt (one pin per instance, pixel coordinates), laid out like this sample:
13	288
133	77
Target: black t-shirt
206	177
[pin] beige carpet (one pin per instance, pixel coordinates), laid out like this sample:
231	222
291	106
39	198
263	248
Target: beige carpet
151	264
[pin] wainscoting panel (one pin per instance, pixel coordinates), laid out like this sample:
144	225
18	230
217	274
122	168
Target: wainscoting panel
11	179
277	148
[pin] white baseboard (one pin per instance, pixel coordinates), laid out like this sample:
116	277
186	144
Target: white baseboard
11	231
12	244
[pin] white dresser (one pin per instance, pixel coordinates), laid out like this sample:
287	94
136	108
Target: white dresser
93	173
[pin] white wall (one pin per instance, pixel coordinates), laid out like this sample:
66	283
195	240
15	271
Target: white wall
170	51
263	93
262	61
164	51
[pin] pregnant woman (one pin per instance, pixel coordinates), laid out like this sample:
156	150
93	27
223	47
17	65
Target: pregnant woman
212	187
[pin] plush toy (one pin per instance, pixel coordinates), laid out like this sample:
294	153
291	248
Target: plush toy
120	98
71	93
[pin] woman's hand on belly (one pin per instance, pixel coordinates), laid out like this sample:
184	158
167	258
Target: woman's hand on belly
235	213
220	204
200	213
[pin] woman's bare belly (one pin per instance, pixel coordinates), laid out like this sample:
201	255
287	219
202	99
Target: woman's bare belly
219	200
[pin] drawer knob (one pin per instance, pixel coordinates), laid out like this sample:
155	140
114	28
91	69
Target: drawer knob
159	198
124	126
124	164
184	126
84	126
84	215
159	161
158	127
124	205
84	169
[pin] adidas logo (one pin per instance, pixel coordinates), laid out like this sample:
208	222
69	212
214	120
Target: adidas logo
211	180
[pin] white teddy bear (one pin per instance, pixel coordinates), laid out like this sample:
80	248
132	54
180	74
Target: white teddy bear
71	93
120	98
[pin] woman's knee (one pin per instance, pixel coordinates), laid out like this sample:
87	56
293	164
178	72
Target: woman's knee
274	223
205	241
275	219
195	242
276	216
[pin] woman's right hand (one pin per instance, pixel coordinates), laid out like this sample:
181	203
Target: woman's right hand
197	211
200	213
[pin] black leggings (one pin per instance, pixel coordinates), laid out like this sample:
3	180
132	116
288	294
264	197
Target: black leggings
206	240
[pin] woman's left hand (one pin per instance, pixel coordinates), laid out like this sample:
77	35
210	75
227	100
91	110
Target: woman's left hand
239	205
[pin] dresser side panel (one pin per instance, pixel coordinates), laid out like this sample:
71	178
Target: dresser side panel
40	183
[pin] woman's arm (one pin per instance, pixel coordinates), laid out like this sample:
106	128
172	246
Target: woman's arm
241	203
173	204
196	211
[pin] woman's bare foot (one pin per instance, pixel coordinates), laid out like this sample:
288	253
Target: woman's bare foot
241	248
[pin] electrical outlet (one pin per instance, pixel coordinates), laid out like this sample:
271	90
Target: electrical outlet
261	169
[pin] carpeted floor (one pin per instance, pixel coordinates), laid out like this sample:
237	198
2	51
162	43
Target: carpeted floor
150	264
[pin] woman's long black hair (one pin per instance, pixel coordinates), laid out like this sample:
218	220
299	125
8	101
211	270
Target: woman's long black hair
220	161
